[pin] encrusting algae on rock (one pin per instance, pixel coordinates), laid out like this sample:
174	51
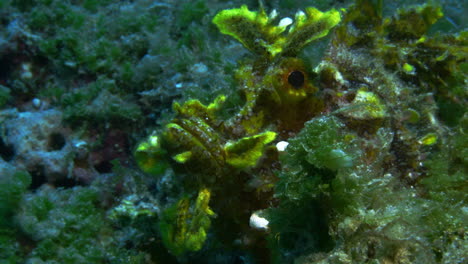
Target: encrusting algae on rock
364	132
324	137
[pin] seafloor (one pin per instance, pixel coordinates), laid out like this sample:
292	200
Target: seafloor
206	131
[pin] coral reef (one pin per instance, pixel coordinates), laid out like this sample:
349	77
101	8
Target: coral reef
223	132
13	185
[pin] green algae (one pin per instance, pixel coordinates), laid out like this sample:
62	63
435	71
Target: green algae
64	225
13	185
375	167
4	95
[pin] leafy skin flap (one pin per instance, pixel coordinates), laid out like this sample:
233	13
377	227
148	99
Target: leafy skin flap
255	30
309	26
246	151
184	226
196	108
150	156
412	24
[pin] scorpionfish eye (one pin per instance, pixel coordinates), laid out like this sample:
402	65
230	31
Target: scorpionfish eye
290	80
296	79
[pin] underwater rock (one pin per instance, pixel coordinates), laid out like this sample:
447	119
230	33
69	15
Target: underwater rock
40	145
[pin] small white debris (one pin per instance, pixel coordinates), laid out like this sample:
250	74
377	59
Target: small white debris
26	74
281	146
273	14
36	102
80	144
179	85
258	222
199	68
154	140
285	22
300	14
70	64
